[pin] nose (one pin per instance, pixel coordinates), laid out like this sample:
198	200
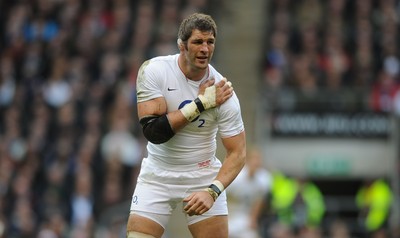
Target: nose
204	47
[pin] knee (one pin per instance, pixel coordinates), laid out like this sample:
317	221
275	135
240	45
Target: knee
142	227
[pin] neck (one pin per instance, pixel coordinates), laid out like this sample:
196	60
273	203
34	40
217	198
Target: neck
189	71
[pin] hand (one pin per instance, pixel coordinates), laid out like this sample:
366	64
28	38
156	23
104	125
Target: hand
198	203
212	95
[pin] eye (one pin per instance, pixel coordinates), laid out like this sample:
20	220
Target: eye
198	42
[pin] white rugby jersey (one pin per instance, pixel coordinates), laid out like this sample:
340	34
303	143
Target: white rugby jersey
196	142
246	190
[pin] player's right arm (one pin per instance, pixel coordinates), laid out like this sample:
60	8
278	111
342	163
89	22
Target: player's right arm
159	125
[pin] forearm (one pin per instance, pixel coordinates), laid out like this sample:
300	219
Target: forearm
159	125
177	120
234	160
231	167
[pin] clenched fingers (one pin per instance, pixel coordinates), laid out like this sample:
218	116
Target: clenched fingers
197	203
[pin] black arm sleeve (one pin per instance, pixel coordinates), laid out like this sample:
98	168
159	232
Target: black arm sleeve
157	129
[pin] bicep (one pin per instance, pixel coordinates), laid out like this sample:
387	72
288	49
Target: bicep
235	144
156	106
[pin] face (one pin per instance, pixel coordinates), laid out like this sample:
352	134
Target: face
199	50
254	160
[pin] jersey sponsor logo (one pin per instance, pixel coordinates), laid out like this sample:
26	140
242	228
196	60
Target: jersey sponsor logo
171	89
204	164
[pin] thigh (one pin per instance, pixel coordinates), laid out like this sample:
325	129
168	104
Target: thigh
144	225
213	227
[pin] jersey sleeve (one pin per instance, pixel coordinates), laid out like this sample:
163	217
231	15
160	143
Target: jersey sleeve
230	121
230	118
265	181
148	84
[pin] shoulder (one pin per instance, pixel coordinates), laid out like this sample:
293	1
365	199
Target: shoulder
156	67
160	62
164	59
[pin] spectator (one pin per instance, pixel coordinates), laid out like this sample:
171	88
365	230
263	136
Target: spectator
384	93
374	199
339	229
247	194
298	203
7	81
82	201
57	90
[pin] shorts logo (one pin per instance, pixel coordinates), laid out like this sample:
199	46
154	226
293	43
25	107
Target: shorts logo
204	164
135	200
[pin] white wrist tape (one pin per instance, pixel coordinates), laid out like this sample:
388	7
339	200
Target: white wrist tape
208	98
205	101
190	111
219	185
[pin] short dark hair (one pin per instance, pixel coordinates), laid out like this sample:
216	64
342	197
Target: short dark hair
197	21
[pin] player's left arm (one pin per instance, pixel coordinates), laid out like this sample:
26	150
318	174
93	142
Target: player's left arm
234	161
199	202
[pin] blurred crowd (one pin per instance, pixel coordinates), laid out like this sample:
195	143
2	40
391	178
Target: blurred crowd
340	56
342	53
70	145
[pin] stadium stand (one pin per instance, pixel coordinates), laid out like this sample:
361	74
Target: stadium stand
70	146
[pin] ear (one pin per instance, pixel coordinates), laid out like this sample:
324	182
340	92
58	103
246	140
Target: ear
181	46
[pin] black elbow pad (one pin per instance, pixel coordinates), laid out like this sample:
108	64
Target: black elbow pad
157	129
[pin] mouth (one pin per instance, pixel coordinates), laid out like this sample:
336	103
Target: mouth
202	59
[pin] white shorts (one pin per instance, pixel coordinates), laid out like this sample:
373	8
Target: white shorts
158	191
239	226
